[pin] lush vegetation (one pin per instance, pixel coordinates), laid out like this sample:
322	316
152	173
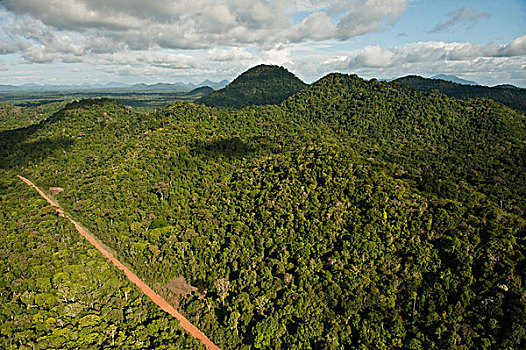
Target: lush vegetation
354	215
57	292
439	144
260	85
508	95
13	117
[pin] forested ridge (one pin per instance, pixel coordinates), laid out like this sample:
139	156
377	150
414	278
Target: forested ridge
508	95
353	215
439	144
13	117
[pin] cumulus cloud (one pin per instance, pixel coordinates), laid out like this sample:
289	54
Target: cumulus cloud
174	24
222	38
150	59
6	47
229	55
170	66
316	26
280	55
198	24
36	42
355	18
429	52
467	51
463	14
373	56
516	48
368	16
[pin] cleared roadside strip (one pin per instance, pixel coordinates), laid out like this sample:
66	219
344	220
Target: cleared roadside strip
156	298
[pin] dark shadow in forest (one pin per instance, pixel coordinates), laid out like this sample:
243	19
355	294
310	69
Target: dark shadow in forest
16	151
8	138
27	153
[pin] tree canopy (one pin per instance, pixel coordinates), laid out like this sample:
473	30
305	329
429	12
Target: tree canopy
355	214
260	85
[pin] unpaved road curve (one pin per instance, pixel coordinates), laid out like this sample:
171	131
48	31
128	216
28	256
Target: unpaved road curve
163	304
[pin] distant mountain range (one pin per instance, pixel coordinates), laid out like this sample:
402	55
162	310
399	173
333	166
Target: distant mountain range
450	78
454	79
174	87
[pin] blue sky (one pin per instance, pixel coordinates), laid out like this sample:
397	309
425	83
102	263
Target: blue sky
130	41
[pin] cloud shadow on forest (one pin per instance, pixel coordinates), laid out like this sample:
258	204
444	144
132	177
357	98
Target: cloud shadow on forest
24	153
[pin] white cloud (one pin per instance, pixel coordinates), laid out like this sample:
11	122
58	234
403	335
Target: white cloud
229	55
373	56
102	32
369	16
37	42
280	55
356	18
461	15
468	51
429	52
6	47
195	24
161	60
516	48
316	26
175	24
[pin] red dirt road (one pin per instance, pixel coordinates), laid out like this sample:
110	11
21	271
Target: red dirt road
157	299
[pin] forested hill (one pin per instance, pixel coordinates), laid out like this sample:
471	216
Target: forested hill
12	117
354	215
509	95
439	143
260	85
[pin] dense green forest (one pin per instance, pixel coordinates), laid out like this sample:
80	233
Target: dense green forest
508	95
439	144
14	117
57	292
355	214
260	85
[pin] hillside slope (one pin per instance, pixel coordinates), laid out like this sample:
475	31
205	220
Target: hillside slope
13	117
354	215
510	96
57	292
440	144
260	85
